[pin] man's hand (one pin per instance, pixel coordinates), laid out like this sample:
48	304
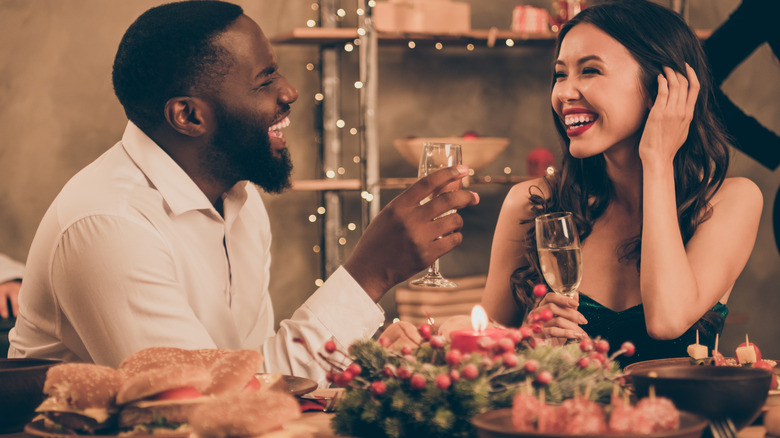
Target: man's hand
405	237
9	292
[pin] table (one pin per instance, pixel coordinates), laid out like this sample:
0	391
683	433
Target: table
320	422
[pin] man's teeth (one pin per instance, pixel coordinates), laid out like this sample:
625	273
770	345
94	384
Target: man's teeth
578	119
285	122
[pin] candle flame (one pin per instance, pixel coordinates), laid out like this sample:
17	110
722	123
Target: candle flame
479	318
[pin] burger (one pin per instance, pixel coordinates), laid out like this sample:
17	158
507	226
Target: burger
244	414
80	398
164	385
160	399
235	372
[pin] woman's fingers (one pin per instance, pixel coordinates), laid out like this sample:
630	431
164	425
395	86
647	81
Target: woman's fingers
693	90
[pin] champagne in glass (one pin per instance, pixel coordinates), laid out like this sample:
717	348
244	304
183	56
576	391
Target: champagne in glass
560	254
434	157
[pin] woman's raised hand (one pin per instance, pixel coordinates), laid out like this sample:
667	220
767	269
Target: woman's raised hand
670	117
565	321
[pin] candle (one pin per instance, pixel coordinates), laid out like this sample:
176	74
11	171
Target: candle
472	340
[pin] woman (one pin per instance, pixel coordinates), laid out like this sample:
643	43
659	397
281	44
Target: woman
664	234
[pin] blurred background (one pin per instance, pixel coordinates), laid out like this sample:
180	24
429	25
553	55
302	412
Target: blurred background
58	113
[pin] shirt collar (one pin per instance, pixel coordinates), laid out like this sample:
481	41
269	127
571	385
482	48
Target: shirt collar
176	187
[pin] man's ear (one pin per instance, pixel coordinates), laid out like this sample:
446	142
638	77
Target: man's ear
188	115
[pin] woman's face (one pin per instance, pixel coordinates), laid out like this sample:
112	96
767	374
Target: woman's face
597	94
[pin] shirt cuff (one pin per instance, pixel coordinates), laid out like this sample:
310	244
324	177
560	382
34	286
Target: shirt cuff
345	309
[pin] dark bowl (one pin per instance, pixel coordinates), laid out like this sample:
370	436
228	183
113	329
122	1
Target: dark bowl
713	392
21	391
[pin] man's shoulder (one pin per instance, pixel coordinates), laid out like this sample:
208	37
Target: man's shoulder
111	184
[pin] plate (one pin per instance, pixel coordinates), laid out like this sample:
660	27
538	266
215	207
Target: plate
772	400
36	428
672	361
498	424
296	386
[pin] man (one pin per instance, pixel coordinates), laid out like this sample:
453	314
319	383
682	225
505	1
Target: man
163	242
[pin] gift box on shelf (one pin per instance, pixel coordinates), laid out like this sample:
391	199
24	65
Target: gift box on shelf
416	304
422	16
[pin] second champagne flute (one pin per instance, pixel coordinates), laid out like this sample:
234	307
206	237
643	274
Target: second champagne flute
436	156
560	255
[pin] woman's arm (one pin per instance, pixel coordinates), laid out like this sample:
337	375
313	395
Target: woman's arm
506	255
679	283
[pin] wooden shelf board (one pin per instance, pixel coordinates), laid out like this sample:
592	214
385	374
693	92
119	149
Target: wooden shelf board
331	36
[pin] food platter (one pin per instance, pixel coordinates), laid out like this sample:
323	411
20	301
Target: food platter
498	424
293	385
37	428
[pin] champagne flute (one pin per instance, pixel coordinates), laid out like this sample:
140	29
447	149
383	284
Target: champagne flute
434	157
560	254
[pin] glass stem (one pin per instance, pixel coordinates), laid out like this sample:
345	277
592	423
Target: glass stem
433	270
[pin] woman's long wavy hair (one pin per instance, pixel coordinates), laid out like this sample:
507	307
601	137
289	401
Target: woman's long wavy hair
655	37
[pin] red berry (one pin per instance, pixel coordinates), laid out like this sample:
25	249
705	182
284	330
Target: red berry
404	372
330	347
583	363
540	290
515	335
486	362
526	332
453	357
378	387
544	377
418	381
330	377
343	378
384	342
545	315
389	370
486	343
598	356
628	348
438	341
470	372
535	317
506	345
586	344
425	330
443	381
602	346
536	327
531	366
509	359
454	375
355	369
406	350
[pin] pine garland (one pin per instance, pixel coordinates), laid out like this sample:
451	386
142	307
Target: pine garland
432	393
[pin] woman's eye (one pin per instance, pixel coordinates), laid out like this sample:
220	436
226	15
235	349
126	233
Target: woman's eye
559	75
589	71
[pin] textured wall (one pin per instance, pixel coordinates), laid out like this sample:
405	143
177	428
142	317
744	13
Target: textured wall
58	113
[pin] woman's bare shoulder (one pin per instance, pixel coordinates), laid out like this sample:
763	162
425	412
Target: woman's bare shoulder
519	196
739	192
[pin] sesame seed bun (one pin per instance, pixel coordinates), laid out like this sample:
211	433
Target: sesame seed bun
244	414
232	372
83	385
158	357
157	380
211	356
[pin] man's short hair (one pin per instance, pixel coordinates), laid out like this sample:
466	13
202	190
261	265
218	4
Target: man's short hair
167	52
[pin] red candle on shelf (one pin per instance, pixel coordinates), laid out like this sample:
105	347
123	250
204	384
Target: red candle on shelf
470	341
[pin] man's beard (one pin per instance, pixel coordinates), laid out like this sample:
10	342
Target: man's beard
241	150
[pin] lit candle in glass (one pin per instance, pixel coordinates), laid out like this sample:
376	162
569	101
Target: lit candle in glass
471	341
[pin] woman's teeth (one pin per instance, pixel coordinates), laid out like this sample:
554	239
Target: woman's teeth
573	120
